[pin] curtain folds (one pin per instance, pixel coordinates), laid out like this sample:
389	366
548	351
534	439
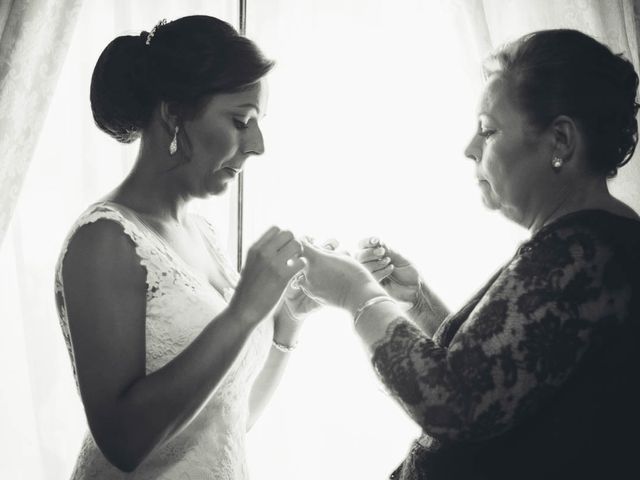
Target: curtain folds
71	164
34	39
370	105
494	22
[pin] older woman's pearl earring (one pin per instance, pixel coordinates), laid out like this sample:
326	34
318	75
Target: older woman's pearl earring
556	163
173	146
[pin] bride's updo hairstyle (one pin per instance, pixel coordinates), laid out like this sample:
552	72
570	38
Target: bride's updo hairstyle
565	72
183	61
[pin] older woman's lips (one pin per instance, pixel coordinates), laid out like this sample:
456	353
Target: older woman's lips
232	171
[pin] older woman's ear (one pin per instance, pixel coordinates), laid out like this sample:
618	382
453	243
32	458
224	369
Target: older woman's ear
566	137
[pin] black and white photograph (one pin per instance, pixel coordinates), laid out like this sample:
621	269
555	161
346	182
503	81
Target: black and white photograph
319	239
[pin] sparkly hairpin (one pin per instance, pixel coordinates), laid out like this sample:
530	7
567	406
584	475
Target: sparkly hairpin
153	30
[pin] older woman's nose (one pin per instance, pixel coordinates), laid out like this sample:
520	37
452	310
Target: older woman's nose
473	150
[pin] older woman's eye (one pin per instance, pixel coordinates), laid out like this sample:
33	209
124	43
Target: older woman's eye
240	125
486	133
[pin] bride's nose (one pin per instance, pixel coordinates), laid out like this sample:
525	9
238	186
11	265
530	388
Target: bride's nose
254	142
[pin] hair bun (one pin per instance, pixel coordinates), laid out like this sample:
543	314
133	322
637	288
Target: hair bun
183	62
121	97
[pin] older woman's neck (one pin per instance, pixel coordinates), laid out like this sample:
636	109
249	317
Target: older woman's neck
590	193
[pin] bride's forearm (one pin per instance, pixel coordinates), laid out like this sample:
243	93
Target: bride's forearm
266	384
286	332
159	405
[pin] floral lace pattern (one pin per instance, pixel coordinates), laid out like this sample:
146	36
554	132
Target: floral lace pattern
496	363
180	303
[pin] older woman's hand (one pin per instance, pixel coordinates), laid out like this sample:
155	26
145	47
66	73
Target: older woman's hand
395	273
295	301
337	279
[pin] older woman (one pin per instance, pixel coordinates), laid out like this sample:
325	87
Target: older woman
536	376
174	355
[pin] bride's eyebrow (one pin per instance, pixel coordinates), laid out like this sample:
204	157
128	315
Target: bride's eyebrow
249	105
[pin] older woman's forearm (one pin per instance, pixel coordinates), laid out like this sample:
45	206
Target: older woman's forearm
373	324
428	311
391	339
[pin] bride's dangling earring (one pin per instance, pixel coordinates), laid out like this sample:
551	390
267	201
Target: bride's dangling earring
173	146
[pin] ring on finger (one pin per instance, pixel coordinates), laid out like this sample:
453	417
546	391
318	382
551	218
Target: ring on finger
295	284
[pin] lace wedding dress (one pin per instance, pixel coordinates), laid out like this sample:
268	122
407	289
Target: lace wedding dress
180	302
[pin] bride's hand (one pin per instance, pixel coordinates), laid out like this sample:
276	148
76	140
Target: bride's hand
271	263
337	279
395	273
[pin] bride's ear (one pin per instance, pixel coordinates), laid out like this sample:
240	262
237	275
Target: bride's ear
169	116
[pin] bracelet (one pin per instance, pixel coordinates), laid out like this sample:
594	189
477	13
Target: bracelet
284	348
369	303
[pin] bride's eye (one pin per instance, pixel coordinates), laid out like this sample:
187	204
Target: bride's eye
240	125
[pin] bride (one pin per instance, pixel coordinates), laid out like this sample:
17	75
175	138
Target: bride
174	354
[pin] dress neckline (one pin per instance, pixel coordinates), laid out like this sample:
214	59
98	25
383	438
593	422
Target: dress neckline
223	291
582	213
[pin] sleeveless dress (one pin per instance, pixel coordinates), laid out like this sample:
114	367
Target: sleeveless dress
180	302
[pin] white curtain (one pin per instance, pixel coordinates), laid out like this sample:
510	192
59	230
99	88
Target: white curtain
370	106
74	164
34	38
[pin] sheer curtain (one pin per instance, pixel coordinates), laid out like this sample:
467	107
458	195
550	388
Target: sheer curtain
34	38
73	165
371	104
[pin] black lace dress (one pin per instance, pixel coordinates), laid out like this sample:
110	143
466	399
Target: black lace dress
537	376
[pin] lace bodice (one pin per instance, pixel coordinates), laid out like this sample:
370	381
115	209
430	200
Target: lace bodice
180	303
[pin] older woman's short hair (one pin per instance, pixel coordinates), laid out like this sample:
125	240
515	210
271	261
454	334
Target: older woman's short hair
565	72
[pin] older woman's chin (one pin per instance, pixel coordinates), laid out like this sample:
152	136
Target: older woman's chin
491	205
490	201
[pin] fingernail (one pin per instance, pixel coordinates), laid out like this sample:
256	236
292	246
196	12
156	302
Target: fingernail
373	241
386	260
330	244
379	251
